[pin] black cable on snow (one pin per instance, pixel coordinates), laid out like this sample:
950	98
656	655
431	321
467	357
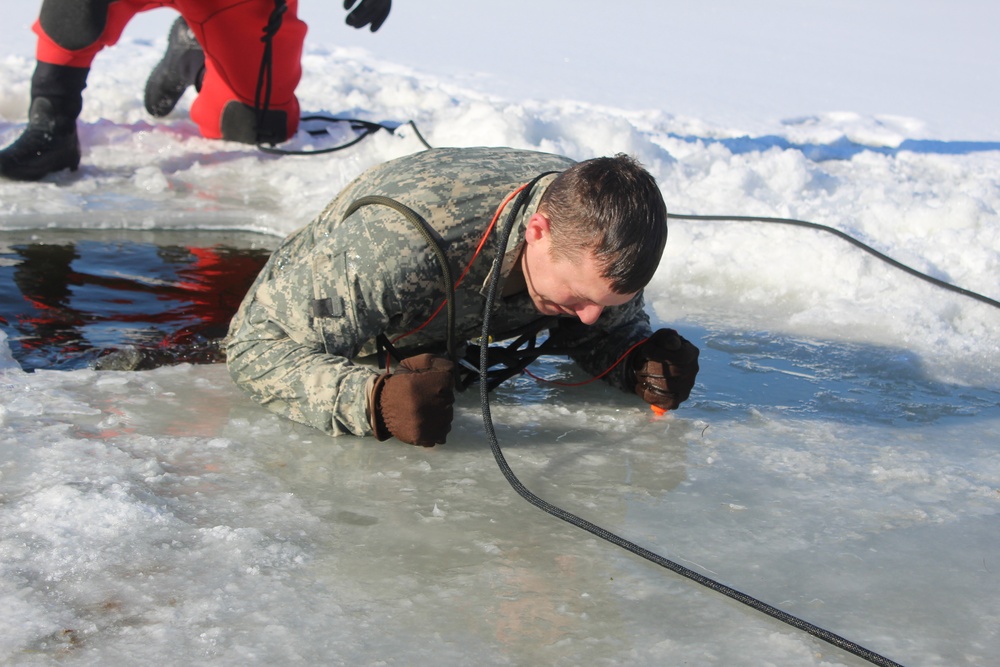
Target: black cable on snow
363	127
763	607
850	239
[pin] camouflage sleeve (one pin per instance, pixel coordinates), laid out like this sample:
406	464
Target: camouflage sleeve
600	345
291	344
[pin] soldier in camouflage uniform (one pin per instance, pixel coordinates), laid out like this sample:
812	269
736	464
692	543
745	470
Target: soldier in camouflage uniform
338	283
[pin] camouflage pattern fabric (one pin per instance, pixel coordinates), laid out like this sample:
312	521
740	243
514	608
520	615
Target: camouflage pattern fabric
334	285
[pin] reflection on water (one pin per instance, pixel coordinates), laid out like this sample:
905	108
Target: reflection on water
123	299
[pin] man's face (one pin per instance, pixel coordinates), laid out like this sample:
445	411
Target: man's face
564	286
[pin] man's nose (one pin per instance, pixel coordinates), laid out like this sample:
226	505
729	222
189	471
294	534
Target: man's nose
588	314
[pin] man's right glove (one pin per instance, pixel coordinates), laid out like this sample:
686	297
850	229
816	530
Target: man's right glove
665	367
414	404
367	11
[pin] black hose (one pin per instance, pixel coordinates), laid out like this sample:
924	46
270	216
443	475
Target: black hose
365	127
850	239
448	284
818	632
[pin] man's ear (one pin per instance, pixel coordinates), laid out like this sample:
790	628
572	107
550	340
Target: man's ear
537	229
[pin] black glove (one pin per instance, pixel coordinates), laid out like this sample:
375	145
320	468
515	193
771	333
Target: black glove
414	403
665	367
367	11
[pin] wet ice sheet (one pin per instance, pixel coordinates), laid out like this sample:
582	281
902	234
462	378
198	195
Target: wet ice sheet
160	513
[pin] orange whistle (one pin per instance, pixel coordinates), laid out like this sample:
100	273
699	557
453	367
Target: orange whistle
658	410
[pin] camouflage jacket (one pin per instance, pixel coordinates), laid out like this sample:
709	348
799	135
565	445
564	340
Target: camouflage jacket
337	283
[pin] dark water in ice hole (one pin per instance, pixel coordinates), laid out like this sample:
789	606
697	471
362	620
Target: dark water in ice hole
123	299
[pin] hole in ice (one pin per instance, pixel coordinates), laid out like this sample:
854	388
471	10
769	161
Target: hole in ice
123	299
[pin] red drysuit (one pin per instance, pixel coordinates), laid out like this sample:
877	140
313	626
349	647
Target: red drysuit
230	32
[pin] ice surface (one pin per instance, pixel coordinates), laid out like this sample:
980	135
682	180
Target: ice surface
838	459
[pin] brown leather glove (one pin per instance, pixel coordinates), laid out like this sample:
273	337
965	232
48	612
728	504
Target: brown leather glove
414	404
665	367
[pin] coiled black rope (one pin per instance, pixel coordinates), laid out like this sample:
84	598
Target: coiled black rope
262	94
850	239
763	607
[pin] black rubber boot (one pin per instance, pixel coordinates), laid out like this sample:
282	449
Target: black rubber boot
182	65
49	143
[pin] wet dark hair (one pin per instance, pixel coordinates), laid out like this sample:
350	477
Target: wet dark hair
613	208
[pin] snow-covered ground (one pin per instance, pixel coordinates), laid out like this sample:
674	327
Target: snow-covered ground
838	459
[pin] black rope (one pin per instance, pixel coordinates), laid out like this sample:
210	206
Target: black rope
262	95
850	239
513	358
262	99
763	607
365	127
425	230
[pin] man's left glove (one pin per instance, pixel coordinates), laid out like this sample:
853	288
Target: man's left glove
665	367
367	11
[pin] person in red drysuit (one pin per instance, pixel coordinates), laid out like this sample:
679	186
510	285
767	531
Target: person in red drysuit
218	46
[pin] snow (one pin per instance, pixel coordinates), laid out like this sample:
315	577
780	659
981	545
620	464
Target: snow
838	459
